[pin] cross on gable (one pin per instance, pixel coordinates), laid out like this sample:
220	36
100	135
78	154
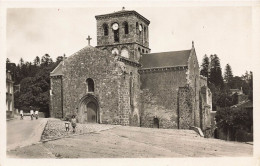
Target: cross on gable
89	40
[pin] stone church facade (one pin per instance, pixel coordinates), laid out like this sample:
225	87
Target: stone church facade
120	82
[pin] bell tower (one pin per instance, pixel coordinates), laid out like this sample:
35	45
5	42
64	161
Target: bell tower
125	33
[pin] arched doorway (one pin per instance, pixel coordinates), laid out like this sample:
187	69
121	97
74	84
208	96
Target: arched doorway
91	116
88	110
156	123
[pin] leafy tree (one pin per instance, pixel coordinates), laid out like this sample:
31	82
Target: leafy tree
7	60
46	60
37	61
215	75
59	59
233	119
228	75
205	66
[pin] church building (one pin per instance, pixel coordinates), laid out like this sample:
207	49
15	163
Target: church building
121	82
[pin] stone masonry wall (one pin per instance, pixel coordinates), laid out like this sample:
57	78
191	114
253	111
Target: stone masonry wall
105	72
134	53
193	77
56	97
185	109
159	97
132	36
129	92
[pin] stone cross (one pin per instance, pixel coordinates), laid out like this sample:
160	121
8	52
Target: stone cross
89	40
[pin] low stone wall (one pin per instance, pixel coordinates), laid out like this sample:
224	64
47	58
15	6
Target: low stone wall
55	129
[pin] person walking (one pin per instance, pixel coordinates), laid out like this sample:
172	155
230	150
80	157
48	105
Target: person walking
73	123
21	114
36	114
31	112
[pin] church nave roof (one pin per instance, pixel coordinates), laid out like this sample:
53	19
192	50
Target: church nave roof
165	59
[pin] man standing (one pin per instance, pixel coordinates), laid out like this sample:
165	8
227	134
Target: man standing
31	112
36	113
21	114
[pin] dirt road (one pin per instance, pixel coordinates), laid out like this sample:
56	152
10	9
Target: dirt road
134	142
24	132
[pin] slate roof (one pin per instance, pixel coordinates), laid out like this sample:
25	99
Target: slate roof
57	71
165	59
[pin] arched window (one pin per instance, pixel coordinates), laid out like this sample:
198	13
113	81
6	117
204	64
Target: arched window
138	54
125	53
105	28
142	50
116	35
141	33
137	28
125	25
90	84
115	51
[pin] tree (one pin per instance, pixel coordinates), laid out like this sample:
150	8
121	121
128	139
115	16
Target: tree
228	75
59	59
37	61
215	75
46	60
205	66
21	62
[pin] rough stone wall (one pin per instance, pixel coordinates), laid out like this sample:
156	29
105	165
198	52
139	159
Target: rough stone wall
193	77
129	92
203	81
134	53
56	97
205	108
132	36
159	97
205	104
105	72
185	110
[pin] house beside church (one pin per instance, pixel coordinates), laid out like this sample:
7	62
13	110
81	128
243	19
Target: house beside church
121	82
9	96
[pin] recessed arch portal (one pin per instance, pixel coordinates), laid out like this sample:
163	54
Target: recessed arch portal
88	110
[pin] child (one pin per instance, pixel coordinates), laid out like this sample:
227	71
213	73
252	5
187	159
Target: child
67	125
73	123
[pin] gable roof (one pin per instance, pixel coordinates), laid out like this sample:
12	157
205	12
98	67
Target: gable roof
58	70
165	59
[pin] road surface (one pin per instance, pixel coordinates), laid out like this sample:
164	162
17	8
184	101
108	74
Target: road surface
24	132
134	142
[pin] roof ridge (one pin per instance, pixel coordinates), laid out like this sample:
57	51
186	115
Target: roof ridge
167	52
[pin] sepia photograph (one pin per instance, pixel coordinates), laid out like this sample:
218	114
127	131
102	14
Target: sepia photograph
129	82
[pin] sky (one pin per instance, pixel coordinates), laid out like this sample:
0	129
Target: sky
225	31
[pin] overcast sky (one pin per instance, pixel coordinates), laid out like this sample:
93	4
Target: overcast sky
225	31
